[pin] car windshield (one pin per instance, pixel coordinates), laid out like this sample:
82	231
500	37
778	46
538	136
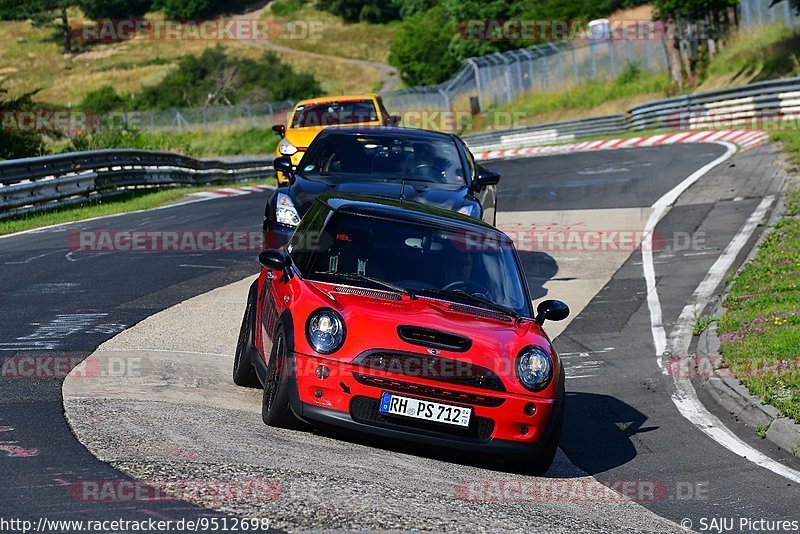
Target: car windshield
477	267
334	113
382	156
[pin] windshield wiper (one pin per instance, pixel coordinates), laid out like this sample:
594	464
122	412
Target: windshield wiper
475	299
377	281
404	179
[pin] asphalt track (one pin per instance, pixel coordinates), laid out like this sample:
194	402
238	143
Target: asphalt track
621	424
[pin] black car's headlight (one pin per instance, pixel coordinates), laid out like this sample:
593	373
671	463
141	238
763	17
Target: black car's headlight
534	368
325	330
285	212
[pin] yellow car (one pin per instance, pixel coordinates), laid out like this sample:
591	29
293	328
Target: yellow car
309	117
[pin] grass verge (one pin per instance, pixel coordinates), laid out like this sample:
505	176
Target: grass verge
198	144
138	199
760	330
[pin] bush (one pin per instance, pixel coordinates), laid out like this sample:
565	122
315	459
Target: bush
421	48
103	99
376	11
196	9
114	9
197	144
283	8
215	78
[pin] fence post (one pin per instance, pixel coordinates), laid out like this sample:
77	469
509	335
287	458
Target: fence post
448	106
477	75
611	62
574	62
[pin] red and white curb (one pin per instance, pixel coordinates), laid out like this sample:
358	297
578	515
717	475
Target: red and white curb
744	139
234	191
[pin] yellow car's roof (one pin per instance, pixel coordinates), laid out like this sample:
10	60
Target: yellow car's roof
336	98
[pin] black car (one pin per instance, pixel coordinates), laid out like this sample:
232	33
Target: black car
417	165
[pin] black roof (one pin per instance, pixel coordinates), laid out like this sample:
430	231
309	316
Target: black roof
403	210
392	130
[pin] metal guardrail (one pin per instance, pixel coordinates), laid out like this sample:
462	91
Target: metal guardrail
38	184
549	134
757	105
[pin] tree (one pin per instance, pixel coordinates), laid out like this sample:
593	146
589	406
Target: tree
421	48
13	142
693	29
43	13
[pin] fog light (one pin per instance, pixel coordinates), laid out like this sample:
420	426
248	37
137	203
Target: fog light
323	372
523	430
318	393
530	408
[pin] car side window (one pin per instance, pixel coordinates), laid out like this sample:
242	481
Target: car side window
304	242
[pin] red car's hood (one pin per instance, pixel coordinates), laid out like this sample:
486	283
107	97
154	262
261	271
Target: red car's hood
371	323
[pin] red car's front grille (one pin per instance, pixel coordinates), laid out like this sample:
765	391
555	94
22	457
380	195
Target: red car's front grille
365	410
428	391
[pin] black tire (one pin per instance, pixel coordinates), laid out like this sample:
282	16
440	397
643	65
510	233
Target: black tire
539	464
275	410
244	374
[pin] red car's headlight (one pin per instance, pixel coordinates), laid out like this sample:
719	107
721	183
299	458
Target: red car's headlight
534	368
325	330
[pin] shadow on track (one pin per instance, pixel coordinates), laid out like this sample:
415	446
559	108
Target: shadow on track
599	431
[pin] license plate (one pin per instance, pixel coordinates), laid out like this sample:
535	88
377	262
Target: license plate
392	404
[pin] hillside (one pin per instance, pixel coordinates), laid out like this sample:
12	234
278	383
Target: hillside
346	59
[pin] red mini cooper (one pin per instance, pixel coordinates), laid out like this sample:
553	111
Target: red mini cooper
405	321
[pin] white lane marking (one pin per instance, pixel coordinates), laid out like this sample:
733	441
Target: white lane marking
47	336
680	337
685	397
659	209
28	260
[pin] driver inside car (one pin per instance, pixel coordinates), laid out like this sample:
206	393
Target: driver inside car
425	165
458	272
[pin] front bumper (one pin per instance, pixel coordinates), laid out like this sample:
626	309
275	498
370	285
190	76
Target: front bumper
348	399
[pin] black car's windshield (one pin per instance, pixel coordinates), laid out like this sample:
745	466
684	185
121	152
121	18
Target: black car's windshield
382	156
458	265
334	113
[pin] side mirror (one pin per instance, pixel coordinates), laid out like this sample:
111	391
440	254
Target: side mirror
283	164
394	120
279	129
275	260
551	310
485	177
